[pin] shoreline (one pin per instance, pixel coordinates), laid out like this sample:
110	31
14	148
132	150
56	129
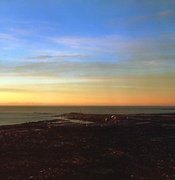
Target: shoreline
100	118
140	146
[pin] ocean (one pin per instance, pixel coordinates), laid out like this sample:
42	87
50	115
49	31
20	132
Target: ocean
20	114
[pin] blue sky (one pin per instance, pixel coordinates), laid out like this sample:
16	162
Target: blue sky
87	52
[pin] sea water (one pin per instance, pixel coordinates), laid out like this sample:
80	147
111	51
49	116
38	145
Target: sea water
18	114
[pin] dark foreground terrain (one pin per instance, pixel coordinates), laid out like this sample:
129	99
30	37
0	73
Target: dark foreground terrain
112	147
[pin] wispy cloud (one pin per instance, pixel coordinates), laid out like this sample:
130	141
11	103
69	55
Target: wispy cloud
102	44
129	22
121	55
53	57
20	31
5	36
121	49
9	41
167	13
13	90
169	36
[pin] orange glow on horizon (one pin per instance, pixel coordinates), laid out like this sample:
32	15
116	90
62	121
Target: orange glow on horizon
56	99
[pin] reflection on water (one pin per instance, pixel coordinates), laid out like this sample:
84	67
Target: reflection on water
79	121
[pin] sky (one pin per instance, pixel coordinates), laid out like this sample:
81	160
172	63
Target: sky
79	52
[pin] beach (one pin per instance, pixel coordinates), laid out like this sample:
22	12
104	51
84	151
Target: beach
90	146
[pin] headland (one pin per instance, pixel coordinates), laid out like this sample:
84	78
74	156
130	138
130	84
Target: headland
90	146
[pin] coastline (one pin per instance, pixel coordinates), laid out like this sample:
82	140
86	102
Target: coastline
18	115
140	146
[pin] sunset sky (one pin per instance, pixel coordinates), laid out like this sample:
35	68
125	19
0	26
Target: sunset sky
79	52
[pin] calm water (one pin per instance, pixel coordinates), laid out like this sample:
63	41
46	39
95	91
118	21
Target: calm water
16	115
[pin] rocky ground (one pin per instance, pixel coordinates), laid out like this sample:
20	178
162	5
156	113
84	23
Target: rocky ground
111	147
